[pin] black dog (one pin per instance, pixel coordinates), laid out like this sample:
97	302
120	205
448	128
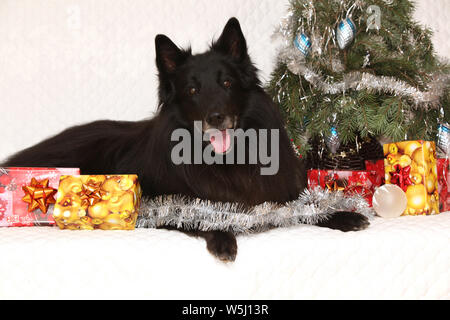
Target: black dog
219	88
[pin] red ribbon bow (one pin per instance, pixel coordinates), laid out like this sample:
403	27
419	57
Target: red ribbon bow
401	176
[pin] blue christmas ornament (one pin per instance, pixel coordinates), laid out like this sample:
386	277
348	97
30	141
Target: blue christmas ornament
443	140
303	43
333	142
345	33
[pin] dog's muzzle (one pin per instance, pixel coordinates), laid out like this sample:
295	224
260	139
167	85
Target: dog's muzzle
218	127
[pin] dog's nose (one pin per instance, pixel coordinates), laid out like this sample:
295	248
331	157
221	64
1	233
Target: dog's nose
215	119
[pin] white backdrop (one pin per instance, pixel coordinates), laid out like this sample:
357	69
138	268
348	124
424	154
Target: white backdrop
65	62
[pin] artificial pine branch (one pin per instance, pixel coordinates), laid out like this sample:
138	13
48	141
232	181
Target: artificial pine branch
400	49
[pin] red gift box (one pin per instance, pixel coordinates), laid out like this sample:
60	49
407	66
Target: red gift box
443	174
378	167
350	182
27	195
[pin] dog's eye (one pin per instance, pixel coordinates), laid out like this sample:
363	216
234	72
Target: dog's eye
192	91
227	84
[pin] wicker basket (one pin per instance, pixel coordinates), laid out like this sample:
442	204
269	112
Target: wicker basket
350	156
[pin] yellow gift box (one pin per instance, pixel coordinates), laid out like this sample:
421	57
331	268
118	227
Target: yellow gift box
412	166
108	202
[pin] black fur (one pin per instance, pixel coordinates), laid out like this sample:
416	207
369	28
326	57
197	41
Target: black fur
192	87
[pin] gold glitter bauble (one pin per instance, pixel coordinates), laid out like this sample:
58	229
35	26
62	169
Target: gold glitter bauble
428	151
418	158
412	146
404	161
417	196
430	183
393	148
113	222
416	178
99	210
392	159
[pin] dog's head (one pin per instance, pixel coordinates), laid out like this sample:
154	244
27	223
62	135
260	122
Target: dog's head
210	87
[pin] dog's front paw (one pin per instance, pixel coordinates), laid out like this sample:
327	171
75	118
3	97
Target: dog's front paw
346	221
222	245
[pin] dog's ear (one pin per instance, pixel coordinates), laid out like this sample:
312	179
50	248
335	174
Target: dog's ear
232	40
168	55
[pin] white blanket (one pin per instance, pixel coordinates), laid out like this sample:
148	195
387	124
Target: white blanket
402	258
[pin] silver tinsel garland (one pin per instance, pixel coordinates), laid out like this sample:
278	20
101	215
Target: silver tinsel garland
194	214
356	80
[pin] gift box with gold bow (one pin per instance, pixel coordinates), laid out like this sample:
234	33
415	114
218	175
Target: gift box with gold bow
412	166
108	202
350	182
27	195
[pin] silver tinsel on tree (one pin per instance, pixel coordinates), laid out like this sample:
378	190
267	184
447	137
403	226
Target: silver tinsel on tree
342	36
194	214
358	81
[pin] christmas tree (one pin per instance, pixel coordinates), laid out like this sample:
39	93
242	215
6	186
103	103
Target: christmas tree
353	68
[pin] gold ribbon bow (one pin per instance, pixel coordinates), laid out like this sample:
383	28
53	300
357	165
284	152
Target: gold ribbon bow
334	186
90	194
38	195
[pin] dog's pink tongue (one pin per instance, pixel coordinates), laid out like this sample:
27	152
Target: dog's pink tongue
220	140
